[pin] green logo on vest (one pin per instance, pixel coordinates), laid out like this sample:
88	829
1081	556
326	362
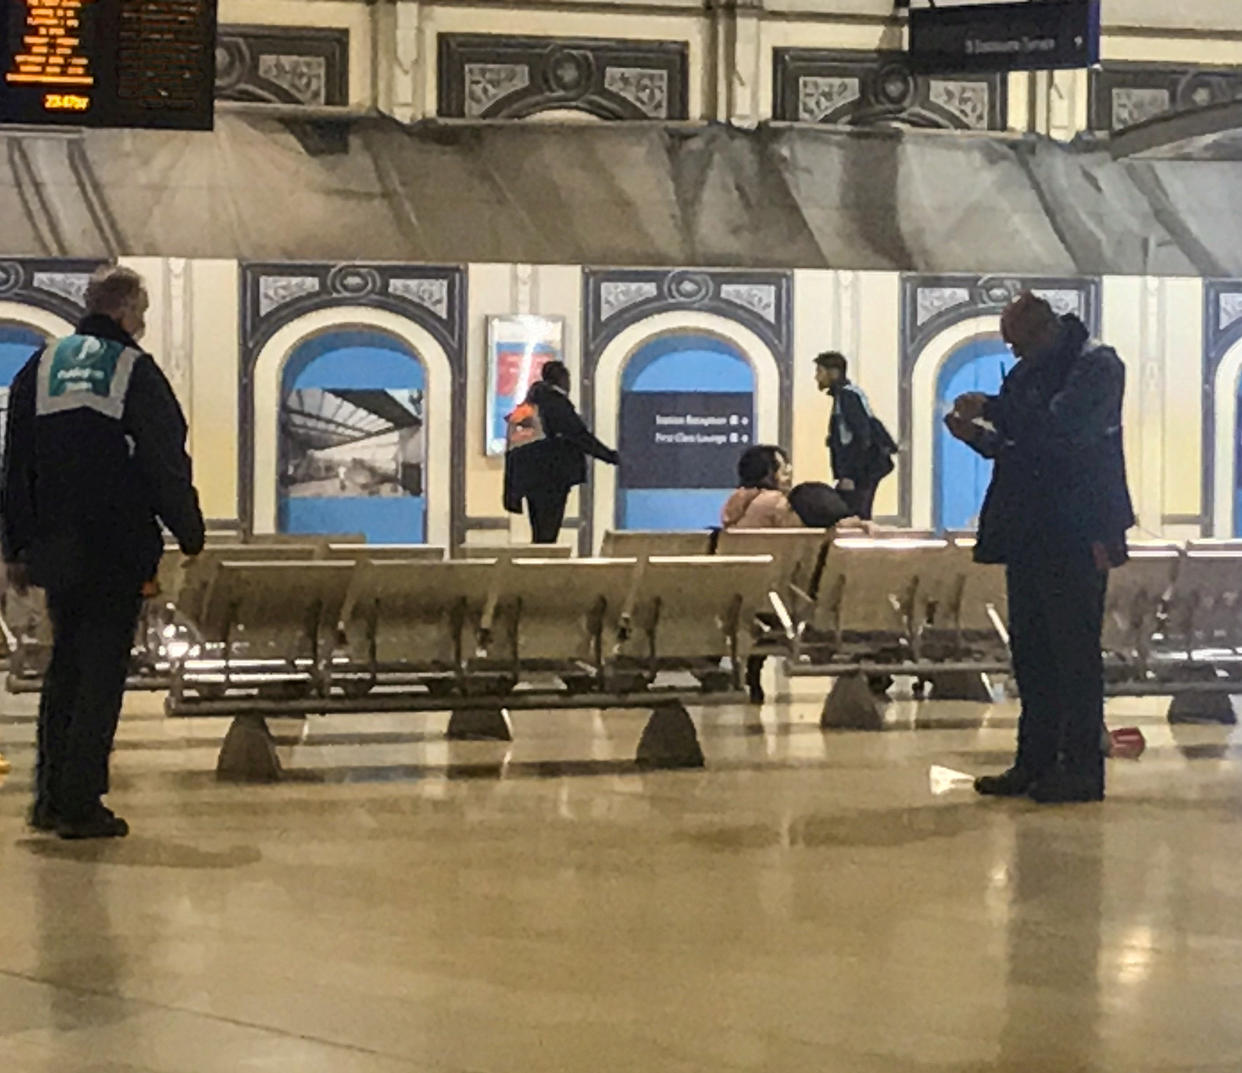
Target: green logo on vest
83	363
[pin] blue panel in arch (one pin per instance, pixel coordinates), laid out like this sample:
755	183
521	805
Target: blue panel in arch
688	363
961	476
691	508
681	363
17	344
395	520
355	361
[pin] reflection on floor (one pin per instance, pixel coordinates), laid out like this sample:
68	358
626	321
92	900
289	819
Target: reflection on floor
806	903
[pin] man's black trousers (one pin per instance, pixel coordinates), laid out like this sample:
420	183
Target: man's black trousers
546	508
1056	614
861	499
92	638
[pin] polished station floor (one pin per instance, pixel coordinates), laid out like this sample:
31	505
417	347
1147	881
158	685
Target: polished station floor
810	901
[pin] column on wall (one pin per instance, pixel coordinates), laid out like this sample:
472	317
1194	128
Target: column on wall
191	335
859	314
1156	326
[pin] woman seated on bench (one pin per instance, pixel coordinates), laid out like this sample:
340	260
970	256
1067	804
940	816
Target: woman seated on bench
765	499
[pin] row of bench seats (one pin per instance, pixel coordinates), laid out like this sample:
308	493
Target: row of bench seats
300	625
344	631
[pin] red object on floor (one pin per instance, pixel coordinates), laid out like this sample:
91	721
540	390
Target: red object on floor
1128	743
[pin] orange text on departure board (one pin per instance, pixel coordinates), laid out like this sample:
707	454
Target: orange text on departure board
51	46
66	102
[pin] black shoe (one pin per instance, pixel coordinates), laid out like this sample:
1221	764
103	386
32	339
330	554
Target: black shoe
1061	788
757	695
100	822
1012	783
42	817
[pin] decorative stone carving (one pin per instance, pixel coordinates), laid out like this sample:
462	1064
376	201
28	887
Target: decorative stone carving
1230	311
1133	105
614	297
298	65
429	293
760	298
175	358
643	87
487	83
931	304
819	97
70	285
688	287
275	291
933	300
10	276
305	77
860	88
1125	94
55	285
966	100
354	281
497	76
1062	300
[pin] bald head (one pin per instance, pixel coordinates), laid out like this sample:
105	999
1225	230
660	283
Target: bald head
1029	325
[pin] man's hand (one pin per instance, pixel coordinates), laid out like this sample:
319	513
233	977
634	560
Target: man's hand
960	428
970	406
845	485
18	578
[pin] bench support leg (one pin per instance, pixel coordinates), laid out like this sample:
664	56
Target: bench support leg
473	724
248	753
669	739
961	685
1202	708
853	704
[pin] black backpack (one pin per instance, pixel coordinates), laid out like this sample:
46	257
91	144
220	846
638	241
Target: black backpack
818	505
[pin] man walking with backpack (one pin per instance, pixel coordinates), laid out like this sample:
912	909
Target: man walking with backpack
860	447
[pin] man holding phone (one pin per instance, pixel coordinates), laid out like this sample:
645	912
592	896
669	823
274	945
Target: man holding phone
1056	515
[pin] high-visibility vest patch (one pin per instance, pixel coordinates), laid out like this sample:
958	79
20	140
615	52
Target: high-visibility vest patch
84	372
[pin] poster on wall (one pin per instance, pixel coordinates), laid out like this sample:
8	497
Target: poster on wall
348	443
518	347
684	439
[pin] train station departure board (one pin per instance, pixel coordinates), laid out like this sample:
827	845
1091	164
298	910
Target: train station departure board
108	63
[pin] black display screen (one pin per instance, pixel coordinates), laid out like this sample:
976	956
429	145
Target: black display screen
108	63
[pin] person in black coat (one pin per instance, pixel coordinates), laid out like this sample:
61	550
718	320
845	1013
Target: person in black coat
548	445
94	459
1056	515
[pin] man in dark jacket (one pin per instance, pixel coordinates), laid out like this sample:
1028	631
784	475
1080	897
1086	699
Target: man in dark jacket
547	452
94	458
858	446
1056	515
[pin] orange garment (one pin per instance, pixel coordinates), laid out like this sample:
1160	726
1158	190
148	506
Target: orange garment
759	508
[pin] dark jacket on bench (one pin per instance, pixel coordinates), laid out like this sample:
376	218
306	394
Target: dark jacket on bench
89	472
1059	482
